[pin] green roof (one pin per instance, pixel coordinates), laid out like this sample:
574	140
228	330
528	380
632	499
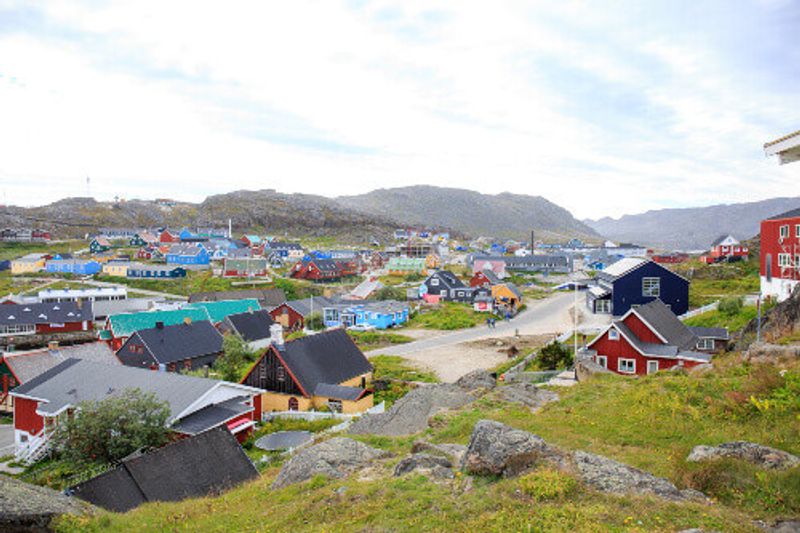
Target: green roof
124	325
407	263
219	310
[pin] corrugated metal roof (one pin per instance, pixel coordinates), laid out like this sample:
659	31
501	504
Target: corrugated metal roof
124	325
219	310
623	266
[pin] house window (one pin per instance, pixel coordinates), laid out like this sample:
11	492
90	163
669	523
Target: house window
434	282
626	366
652	367
797	230
281	374
651	287
602	306
335	405
613	335
602	360
784	231
784	260
705	344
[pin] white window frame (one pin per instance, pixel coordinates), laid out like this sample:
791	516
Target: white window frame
434	282
705	344
648	284
783	232
613	335
797	230
784	260
602	360
649	363
620	362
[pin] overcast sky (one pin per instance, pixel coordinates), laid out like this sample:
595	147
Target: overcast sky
605	110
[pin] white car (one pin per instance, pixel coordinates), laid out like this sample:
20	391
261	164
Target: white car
361	327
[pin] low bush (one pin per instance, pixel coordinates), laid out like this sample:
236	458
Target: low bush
731	306
547	484
554	356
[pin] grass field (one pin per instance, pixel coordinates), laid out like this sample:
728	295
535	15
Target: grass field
448	317
12	250
373	340
651	423
718	319
397	370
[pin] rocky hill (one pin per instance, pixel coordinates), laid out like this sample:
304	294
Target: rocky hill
692	228
501	215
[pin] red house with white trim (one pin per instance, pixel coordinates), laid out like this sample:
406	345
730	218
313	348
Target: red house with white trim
647	339
725	248
780	255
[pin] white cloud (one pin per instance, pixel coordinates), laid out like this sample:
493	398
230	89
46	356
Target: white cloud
604	114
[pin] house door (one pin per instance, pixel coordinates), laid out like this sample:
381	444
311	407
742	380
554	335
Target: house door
293	404
347	319
652	367
602	360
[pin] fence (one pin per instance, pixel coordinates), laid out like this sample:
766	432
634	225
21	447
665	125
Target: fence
321	415
700	310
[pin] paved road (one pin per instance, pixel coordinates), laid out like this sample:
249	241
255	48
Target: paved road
135	289
6	439
550	315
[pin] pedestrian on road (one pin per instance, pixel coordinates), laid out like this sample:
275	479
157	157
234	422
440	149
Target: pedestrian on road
508	316
489	322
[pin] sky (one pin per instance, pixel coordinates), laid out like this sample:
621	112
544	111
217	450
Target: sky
605	108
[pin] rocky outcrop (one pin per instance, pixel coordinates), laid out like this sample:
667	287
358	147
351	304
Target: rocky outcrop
764	352
526	394
434	466
781	320
477	379
454	452
586	368
781	526
759	455
607	475
25	507
335	458
500	450
410	413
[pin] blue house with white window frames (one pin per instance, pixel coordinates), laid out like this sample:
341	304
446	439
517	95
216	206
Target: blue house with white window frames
380	314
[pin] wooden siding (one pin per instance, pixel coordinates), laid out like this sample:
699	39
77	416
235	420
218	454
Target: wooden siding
264	375
25	417
641	330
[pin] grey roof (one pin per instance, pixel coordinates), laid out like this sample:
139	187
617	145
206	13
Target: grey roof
598	291
660	317
710	333
788	214
622	267
491	276
691	354
448	278
720	239
268	298
328	357
104	308
179	342
74	380
251	326
283	440
277	245
198	466
660	350
304	306
44	313
28	365
338	392
184	249
513	288
213	415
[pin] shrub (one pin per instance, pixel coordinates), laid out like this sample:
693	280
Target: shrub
390	293
108	430
731	306
236	354
554	356
547	484
314	322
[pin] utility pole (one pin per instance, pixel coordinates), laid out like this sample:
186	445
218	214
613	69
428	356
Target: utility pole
758	320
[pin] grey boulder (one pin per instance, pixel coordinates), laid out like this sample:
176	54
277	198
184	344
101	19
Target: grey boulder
426	464
500	450
454	452
334	458
477	379
759	455
607	475
526	394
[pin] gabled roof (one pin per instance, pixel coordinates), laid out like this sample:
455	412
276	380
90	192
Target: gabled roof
514	289
325	265
710	333
126	324
623	266
44	313
74	380
330	357
204	464
178	342
448	278
267	297
304	306
28	365
665	324
338	392
788	214
185	249
220	309
721	238
251	326
490	275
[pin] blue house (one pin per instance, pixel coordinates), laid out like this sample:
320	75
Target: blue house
187	254
73	266
631	282
155	271
379	314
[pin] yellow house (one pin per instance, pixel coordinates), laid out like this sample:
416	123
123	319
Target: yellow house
507	295
116	268
326	371
27	264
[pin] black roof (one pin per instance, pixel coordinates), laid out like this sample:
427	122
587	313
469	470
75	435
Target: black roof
660	317
198	466
788	214
338	392
326	265
212	415
329	357
251	326
44	313
449	279
178	342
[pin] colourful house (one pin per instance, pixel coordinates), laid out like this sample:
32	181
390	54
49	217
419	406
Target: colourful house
187	254
139	270
380	314
218	311
116	268
119	327
402	266
73	266
28	264
99	244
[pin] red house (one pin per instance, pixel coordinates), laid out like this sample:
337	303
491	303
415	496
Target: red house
670	259
287	316
318	270
725	248
484	278
647	339
780	255
168	237
44	318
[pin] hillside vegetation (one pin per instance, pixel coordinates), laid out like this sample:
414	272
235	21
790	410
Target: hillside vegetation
651	423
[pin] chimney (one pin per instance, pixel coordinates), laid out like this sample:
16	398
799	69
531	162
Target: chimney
159	325
276	335
52	345
187	320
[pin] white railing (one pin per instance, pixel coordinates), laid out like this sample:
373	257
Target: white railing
34	449
321	415
699	310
